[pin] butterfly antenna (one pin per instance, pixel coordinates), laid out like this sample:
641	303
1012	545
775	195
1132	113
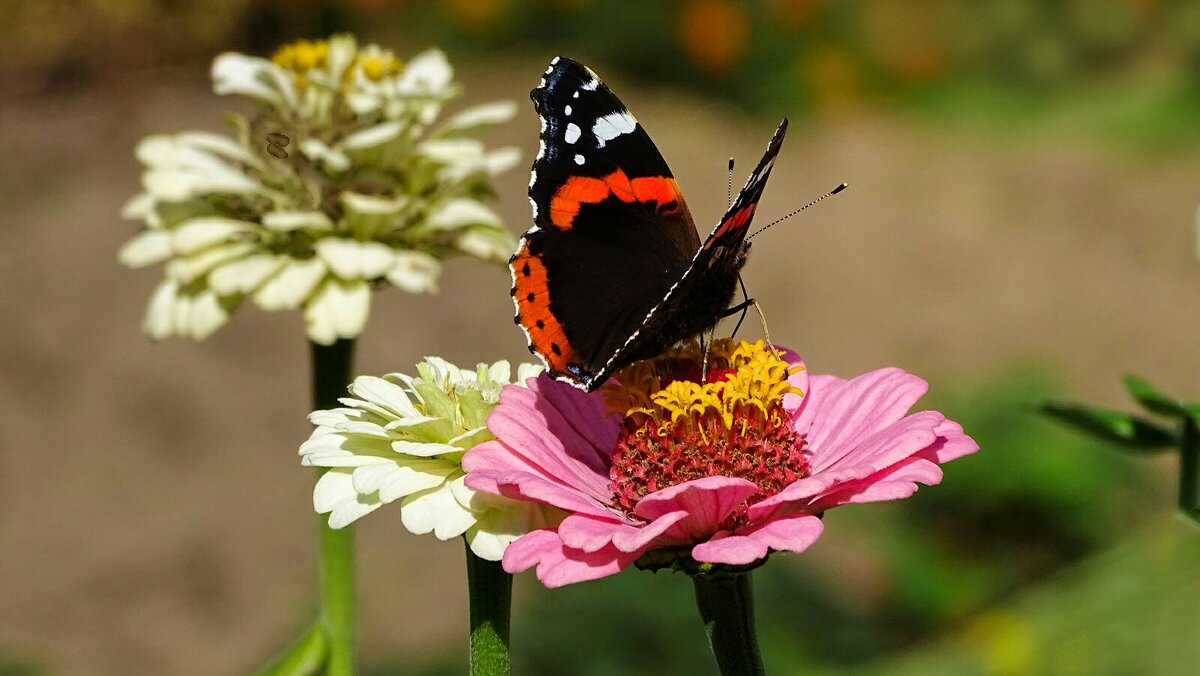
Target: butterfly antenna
831	193
729	186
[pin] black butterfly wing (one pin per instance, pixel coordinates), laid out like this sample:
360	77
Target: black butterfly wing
612	233
698	300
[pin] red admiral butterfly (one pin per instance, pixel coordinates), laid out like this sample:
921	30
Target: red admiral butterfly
613	270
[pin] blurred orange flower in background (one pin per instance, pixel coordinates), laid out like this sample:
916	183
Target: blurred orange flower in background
795	14
713	34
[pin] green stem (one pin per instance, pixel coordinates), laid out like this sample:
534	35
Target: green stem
1189	469
490	589
303	658
726	603
331	372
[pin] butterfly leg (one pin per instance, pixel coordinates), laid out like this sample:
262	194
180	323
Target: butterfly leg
742	307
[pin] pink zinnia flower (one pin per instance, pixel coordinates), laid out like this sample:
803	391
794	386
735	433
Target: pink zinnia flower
723	471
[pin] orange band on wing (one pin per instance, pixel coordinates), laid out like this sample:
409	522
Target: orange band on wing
532	298
579	190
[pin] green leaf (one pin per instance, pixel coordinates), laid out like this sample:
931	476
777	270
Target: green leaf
1151	398
1130	431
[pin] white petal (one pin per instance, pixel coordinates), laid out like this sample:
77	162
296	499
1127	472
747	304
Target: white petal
500	372
384	393
501	160
326	448
159	322
234	73
427	73
187	269
452	151
373	205
146	248
418	476
352	260
415	272
337	310
457	213
141	207
334	160
286	221
245	275
292	286
422	449
335	493
488	113
435	511
527	371
172	184
332	417
396	480
489	246
215	144
202	232
372	136
205	315
342	48
497	527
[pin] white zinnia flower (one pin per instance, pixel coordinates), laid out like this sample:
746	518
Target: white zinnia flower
231	222
403	438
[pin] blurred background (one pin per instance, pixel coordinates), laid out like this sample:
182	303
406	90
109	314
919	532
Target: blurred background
1020	225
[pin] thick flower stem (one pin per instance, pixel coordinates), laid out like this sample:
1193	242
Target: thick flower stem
1189	469
491	600
331	372
726	602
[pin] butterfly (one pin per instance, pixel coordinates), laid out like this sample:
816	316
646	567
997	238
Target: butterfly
613	270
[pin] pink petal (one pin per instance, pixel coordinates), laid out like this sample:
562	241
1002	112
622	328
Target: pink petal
589	533
926	435
835	415
532	487
889	445
952	444
635	540
893	483
557	432
802	491
793	534
707	501
798	380
558	565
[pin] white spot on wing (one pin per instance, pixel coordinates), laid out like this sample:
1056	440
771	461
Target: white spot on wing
567	110
613	125
575	95
591	85
572	133
579	159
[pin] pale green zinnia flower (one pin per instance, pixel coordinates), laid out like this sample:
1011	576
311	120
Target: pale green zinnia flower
402	438
372	193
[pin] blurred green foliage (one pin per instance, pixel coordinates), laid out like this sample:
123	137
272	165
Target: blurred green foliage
1126	68
1032	503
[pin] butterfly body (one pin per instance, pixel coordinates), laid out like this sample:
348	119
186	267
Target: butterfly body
613	269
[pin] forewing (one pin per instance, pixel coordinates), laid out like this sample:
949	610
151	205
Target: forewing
611	232
735	224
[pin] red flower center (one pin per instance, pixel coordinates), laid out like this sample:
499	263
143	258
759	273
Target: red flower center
678	429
